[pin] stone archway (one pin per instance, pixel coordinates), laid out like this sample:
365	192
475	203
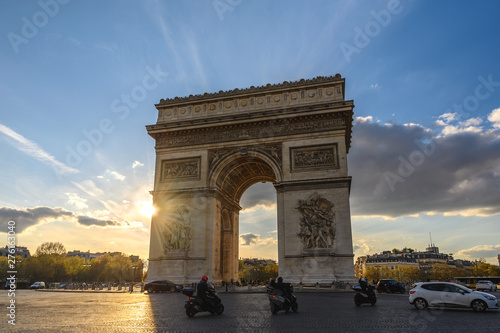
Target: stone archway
210	148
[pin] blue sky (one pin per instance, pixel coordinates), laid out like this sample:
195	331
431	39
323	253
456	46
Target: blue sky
79	80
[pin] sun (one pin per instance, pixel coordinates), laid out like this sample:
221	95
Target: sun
146	208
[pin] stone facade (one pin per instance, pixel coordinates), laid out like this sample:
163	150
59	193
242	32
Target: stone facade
210	148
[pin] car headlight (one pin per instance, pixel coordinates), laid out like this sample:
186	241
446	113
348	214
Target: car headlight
490	297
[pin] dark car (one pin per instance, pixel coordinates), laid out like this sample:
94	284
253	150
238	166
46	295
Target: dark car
162	285
390	286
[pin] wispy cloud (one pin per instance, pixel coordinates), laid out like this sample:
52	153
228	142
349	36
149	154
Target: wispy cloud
31	148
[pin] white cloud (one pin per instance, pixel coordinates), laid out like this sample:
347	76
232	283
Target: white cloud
367	119
75	200
494	117
374	86
112	174
488	252
448	117
32	149
137	164
258	207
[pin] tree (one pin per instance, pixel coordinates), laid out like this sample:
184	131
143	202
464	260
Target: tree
48	248
372	273
74	266
121	268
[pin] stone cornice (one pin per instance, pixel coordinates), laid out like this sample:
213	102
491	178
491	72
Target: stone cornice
338	182
287	95
252	90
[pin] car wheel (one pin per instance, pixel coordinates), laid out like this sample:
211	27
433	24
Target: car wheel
172	289
388	290
150	290
479	306
420	303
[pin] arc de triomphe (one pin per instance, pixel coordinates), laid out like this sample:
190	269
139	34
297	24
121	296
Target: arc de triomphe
210	148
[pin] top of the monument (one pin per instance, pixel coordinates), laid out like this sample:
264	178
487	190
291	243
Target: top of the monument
252	89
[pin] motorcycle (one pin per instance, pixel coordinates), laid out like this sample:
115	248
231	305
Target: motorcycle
279	300
196	304
366	296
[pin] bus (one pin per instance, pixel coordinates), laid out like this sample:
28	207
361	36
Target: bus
470	281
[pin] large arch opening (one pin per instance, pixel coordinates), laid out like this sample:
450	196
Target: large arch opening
233	177
258	234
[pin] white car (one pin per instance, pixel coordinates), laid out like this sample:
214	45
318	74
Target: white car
447	294
485	285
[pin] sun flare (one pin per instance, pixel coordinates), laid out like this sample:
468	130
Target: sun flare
147	209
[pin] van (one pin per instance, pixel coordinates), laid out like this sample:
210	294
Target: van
38	285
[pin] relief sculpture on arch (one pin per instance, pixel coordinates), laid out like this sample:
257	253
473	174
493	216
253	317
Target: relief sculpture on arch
317	222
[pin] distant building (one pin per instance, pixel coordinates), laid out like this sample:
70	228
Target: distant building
86	255
255	261
20	251
89	256
424	260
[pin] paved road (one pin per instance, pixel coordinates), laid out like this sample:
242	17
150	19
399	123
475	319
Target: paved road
245	312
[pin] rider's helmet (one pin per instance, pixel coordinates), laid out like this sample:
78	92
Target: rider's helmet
280	279
204	278
363	279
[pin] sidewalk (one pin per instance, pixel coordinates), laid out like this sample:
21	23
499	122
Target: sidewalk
229	289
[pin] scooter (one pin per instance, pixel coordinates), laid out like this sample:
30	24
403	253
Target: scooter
367	296
279	301
196	304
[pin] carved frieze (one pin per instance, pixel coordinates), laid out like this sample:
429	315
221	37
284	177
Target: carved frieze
317	223
180	169
314	157
177	232
250	131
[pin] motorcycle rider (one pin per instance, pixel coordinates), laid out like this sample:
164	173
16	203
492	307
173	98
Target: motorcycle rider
204	291
284	287
363	283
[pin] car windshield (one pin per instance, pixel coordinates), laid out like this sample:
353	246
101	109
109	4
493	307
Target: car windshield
465	288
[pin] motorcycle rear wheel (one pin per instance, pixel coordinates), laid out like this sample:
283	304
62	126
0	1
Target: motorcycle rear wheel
190	312
295	307
219	309
274	308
